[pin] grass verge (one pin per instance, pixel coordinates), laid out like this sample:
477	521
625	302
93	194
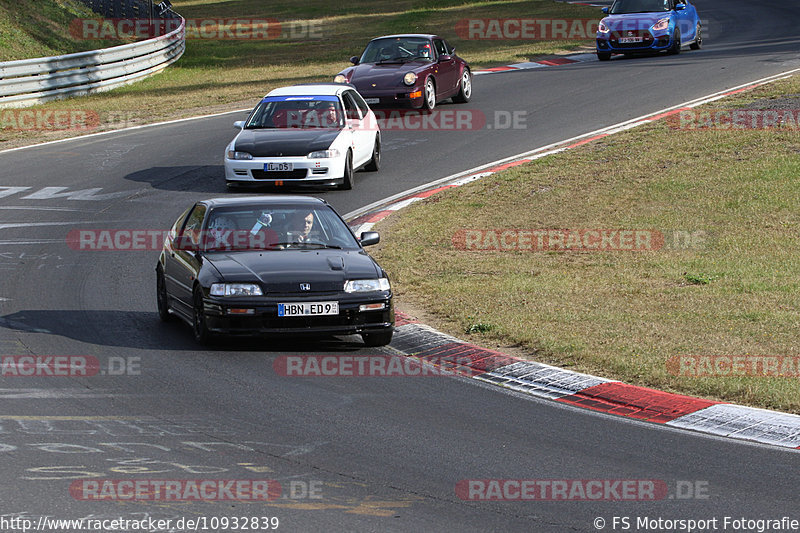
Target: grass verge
734	291
222	75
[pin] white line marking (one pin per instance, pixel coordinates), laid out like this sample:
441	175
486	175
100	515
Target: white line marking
39	208
551	148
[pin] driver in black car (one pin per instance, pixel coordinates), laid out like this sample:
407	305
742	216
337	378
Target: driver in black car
302	227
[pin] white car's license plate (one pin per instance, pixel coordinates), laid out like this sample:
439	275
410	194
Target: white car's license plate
372	100
308	309
624	40
277	167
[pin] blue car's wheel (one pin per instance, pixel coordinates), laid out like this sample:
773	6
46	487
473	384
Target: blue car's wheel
698	38
676	43
603	56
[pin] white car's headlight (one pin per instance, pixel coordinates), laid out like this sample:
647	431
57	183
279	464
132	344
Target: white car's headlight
661	25
235	289
339	78
324	154
367	285
409	78
603	27
241	156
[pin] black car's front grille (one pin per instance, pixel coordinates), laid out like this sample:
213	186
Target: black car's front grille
275	175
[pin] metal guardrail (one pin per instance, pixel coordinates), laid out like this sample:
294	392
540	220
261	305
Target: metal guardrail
32	81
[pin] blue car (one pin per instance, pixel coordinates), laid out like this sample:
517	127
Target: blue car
642	26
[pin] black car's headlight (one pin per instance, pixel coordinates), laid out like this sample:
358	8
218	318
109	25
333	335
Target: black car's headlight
409	78
241	156
235	289
367	285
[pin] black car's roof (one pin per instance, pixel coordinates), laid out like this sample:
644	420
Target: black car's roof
421	35
264	200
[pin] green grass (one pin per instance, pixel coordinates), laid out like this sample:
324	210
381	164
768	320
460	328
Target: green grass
221	75
623	314
38	28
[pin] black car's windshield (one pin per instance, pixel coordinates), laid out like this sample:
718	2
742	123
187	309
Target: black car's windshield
397	50
296	112
275	228
638	6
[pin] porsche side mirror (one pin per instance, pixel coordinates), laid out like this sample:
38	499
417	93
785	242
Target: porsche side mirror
239	124
354	60
445	57
368	238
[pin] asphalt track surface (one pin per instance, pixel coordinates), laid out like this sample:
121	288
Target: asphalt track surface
383	454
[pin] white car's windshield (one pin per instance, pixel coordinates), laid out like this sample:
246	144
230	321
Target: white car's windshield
296	112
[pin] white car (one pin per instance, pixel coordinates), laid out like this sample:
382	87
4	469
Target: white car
315	134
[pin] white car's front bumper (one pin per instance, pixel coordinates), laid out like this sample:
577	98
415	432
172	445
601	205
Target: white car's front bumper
304	170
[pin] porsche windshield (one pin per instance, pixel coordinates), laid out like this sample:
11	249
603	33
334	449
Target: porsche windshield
276	227
621	7
296	112
397	50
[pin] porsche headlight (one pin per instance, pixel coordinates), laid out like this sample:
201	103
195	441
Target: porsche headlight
367	285
235	289
661	25
339	78
603	27
409	78
239	156
324	154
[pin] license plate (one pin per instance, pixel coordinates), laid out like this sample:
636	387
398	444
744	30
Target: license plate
277	167
624	40
308	309
372	100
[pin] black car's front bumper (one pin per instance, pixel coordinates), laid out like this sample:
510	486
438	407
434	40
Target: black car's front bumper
264	319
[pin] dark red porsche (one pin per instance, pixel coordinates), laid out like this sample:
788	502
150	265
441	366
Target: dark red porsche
414	70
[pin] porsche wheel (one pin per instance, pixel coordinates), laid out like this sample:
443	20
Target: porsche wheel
430	95
465	89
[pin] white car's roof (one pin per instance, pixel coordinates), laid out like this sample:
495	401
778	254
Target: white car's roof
326	89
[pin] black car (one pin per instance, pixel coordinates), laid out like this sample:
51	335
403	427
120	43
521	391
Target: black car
272	265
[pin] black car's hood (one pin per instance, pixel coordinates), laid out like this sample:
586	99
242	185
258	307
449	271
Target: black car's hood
285	141
282	271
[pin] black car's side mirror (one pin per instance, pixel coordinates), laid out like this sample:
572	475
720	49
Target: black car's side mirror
354	60
605	10
368	238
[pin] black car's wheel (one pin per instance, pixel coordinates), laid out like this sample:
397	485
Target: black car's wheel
380	338
430	95
465	89
347	182
161	297
603	56
676	43
375	163
199	326
698	39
